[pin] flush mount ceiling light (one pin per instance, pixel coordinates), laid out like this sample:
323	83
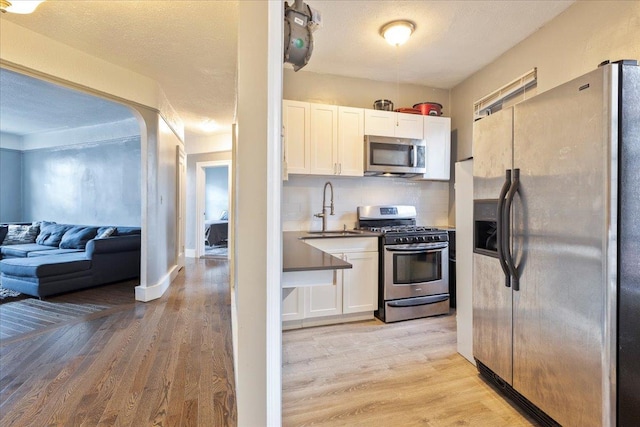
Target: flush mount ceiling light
19	6
209	126
397	33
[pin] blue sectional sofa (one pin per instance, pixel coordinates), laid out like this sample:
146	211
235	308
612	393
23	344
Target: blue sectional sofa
67	257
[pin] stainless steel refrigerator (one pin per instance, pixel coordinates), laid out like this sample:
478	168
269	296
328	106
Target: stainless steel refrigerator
556	268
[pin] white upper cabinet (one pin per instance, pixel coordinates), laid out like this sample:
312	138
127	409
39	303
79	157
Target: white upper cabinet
389	123
322	139
350	141
437	134
296	123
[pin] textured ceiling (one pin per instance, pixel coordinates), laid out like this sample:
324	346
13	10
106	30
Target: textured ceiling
190	47
29	106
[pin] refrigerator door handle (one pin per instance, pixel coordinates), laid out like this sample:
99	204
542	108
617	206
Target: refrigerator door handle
500	228
515	185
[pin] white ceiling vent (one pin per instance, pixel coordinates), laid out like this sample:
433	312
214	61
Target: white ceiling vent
494	101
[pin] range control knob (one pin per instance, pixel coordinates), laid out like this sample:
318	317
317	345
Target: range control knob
421	239
397	240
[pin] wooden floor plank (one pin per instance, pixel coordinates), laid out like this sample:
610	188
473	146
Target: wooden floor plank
375	374
131	364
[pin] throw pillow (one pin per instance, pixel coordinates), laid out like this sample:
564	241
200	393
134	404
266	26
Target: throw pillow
77	237
104	232
20	234
51	234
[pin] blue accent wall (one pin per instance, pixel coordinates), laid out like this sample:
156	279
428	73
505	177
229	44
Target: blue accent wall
91	183
10	185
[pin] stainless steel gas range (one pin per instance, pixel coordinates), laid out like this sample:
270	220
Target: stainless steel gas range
414	263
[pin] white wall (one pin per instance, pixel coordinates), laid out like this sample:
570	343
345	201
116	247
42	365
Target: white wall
199	144
572	44
302	198
258	235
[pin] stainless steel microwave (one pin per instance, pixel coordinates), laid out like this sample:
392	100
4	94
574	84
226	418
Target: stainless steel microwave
387	156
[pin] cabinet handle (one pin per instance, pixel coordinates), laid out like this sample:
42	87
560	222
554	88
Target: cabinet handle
340	169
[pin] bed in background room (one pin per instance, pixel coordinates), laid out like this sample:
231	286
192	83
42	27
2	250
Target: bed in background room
216	230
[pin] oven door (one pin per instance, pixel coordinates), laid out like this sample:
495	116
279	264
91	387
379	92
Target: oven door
416	270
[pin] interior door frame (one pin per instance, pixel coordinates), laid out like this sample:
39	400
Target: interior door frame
200	200
181	201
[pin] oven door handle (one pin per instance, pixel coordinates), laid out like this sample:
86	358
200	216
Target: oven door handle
413	251
412	302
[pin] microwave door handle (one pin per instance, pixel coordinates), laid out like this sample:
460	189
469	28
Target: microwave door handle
414	158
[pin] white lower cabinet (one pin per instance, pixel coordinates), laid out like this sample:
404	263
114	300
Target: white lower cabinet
358	294
324	300
292	303
352	295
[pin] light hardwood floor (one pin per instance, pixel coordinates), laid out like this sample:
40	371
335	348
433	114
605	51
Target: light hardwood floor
163	363
169	362
376	374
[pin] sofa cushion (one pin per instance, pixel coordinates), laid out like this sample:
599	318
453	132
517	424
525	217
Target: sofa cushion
51	234
44	266
22	251
77	237
53	251
104	232
20	234
127	231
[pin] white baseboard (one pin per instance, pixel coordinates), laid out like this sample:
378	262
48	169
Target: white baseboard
190	253
149	293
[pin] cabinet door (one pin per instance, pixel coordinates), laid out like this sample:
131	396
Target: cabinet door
437	133
292	303
360	283
296	121
380	123
409	126
324	139
324	300
350	141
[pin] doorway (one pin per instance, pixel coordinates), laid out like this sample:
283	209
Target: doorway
213	190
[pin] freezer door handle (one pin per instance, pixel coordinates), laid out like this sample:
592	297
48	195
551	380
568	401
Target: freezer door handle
500	228
515	185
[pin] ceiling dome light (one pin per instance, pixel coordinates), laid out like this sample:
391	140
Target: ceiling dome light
397	33
19	6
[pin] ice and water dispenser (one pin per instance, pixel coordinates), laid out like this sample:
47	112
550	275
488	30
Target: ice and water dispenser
485	227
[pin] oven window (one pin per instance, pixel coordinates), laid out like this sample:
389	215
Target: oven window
417	268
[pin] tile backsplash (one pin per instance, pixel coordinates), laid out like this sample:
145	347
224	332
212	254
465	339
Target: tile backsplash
302	198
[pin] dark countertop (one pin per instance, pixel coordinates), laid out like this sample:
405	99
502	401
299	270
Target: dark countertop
299	256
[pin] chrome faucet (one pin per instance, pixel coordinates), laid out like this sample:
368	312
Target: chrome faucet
323	215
